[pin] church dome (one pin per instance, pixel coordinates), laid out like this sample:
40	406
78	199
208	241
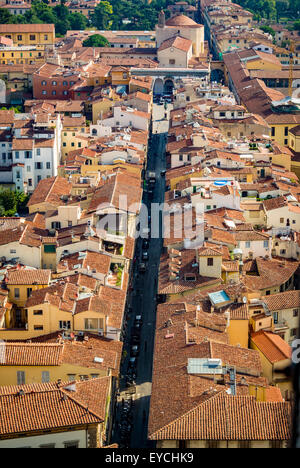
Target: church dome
181	20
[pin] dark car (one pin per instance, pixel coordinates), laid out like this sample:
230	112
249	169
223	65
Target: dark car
145	244
145	256
135	339
132	363
142	268
135	350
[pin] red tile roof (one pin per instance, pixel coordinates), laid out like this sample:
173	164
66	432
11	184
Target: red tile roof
283	300
44	407
274	348
225	417
29	277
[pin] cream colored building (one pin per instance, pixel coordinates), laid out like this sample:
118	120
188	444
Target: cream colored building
184	27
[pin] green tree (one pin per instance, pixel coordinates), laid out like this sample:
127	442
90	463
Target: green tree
297	25
62	26
96	40
5	16
8	202
282	7
12	202
78	21
102	15
268	30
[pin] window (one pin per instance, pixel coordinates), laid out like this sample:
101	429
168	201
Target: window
293	332
71	377
286	131
266	244
94	324
37	312
54	83
20	378
50	248
244	444
65	93
38	152
53	93
286	142
94	376
32	37
281	220
45	376
39	165
248	245
48	165
20	38
30	182
172	62
29	291
72	445
212	444
65	83
276	444
275	318
210	262
38	327
44	83
17	293
13	251
64	325
28	154
44	92
273	131
268	293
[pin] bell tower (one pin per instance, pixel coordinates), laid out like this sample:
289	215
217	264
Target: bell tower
161	19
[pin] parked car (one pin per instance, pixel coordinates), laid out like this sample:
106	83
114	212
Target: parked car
142	268
145	244
135	339
135	350
132	363
145	256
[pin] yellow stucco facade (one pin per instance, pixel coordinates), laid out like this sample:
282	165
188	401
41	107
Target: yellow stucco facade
39	374
73	138
25	35
22	55
238	333
19	293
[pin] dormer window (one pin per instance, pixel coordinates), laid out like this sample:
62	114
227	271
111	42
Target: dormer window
190	277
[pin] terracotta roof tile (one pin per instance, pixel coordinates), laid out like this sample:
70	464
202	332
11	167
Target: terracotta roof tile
28	277
46	406
283	300
225	417
274	348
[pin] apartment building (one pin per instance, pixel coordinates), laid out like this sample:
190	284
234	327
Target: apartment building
30	34
31	148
